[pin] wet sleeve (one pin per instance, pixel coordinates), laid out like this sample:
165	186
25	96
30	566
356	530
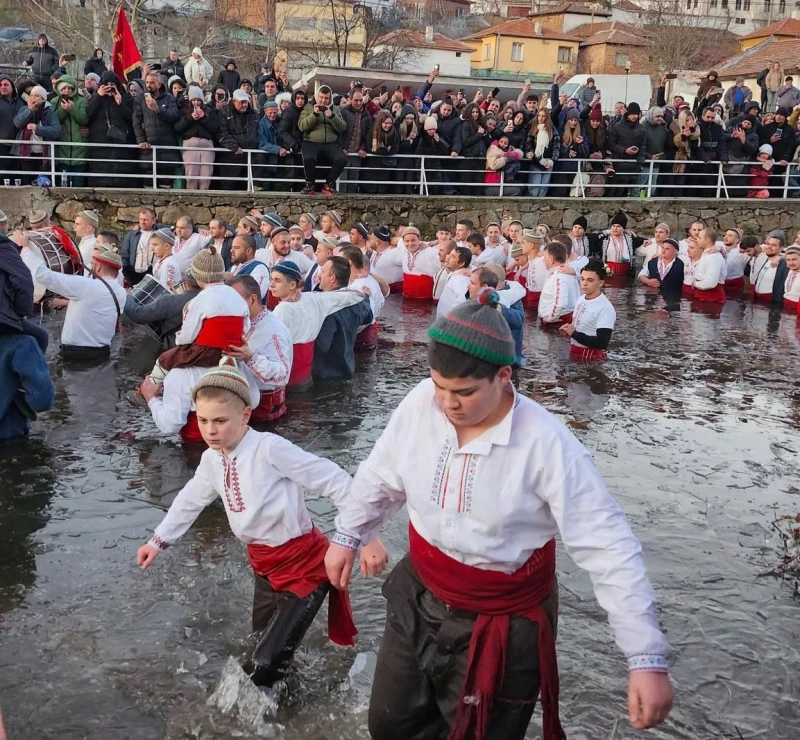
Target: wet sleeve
599	539
68	286
601	341
171	412
198	493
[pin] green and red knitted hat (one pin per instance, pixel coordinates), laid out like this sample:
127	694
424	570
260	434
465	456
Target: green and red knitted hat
228	376
478	329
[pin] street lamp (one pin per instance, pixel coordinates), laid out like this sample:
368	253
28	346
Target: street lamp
627	72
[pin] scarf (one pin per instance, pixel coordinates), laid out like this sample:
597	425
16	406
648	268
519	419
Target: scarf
542	141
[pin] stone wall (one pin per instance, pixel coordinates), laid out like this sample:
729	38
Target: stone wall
119	209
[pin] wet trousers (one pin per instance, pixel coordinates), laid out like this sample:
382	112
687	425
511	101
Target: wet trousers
281	620
422	665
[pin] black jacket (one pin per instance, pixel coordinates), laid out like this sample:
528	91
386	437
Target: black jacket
98	66
366	129
103	112
238	130
8	109
42	62
784	147
713	146
166	313
229	79
673	280
622	136
742	151
169	68
473	144
206	128
450	130
289	136
334	356
157	128
16	286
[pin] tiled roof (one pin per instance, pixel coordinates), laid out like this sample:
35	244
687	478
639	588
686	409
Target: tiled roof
416	40
590	29
628	6
752	61
786	27
521	27
574	8
616	36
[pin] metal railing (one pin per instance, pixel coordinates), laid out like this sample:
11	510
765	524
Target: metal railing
128	165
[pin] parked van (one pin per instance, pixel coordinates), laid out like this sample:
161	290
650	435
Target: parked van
613	89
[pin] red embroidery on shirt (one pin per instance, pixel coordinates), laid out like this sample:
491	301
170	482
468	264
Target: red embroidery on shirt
233	493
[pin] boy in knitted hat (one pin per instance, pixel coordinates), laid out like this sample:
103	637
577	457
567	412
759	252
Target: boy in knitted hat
490	480
261	479
213	322
165	266
617	247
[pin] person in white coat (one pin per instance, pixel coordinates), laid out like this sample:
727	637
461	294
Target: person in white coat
198	69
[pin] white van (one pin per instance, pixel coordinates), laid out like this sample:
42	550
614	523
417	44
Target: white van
613	89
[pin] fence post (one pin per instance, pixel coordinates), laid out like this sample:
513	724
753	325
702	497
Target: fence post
650	180
786	181
423	184
52	149
719	178
502	181
251	186
153	152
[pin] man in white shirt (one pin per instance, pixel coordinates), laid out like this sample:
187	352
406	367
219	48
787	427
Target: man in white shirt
709	274
464	228
560	292
489	478
243	256
593	318
483	254
373	287
457	284
791	286
280	249
769	270
443	273
188	242
95	303
736	261
165	266
382	260
86	223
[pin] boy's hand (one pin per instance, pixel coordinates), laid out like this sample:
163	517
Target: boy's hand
145	556
339	564
649	698
373	558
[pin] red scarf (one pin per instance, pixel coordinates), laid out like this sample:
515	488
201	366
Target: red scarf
494	596
298	566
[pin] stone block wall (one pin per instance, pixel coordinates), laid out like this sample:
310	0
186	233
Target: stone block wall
119	209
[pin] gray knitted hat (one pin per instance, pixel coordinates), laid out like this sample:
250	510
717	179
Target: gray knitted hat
478	329
228	376
208	266
165	235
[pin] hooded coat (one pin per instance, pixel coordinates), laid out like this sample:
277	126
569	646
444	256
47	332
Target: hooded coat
72	121
289	136
9	107
623	136
98	66
230	79
42	62
104	112
194	69
473	144
657	134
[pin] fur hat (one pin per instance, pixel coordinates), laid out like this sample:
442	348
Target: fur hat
582	222
620	220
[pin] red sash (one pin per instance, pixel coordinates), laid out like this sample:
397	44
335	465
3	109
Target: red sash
396	287
271	406
190	431
687	291
791	306
760	297
302	357
298	566
221	332
559	322
417	287
494	597
532	298
367	338
713	295
587	354
734	285
620	269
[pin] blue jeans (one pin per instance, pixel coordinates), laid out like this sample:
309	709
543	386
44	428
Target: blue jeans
538	180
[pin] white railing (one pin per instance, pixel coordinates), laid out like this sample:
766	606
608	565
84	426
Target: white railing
400	174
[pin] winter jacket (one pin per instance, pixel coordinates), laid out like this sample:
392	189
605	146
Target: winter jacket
16	286
497	159
238	130
8	109
268	138
130	242
230	79
166	313
289	136
156	128
742	151
169	68
713	144
429	146
94	65
656	138
783	148
350	121
103	112
728	99
334	346
581	150
47	126
473	144
788	96
450	129
587	95
206	128
552	150
319	128
42	62
622	136
72	121
194	69
519	135
23	370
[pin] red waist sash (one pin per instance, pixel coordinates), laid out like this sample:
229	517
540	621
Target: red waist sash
735	285
712	295
417	287
532	298
367	338
494	597
190	431
298	566
760	297
302	357
791	306
559	322
687	291
221	332
396	287
587	354
271	406
620	269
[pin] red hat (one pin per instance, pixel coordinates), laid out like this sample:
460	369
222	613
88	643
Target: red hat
596	114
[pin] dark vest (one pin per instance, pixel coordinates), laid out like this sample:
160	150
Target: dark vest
673	280
309	286
248	269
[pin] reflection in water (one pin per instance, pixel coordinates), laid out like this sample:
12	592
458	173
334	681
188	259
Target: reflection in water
692	422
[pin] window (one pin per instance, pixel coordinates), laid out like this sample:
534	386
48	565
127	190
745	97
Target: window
487	52
299	24
725	4
738	4
712	4
458	55
459	12
419	10
747	4
620	60
689	4
739	21
516	52
324	24
782	7
564	54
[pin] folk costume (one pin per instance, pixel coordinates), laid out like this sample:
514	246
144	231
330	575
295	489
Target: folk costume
558	299
594	322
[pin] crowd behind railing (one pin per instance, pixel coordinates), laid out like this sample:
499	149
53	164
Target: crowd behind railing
175	128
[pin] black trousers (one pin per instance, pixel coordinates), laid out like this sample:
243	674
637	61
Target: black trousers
281	621
325	154
423	659
84	354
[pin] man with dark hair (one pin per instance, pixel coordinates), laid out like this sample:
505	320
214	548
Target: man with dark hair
322	125
665	270
243	255
457	263
489	478
221	239
136	252
593	318
560	291
376	289
464	228
163	316
154	116
333	349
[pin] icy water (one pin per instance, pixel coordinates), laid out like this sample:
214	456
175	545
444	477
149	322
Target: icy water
693	423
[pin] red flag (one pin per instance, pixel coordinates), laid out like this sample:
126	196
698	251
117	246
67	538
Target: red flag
126	54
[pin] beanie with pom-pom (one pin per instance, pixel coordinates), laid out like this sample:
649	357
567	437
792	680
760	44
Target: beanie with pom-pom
226	375
478	329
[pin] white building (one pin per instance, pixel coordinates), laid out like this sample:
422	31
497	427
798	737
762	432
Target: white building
415	51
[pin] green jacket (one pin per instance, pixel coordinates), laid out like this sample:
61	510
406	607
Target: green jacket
320	129
72	121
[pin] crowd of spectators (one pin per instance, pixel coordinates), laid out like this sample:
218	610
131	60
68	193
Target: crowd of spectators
213	132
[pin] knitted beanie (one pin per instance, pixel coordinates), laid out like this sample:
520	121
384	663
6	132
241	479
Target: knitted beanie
362	229
663	227
477	328
335	215
208	266
3	218
382	234
531	235
36	217
289	269
107	256
411	230
582	222
620	220
274	219
310	216
93	217
516	250
228	376
165	235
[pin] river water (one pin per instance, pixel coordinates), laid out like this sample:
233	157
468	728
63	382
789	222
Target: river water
693	422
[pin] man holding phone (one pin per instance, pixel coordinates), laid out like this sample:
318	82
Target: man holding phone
627	141
322	125
154	117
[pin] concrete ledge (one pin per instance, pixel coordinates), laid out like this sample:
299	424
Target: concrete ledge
119	209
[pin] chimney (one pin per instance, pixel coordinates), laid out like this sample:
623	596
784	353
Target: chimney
429	34
537	29
796	14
